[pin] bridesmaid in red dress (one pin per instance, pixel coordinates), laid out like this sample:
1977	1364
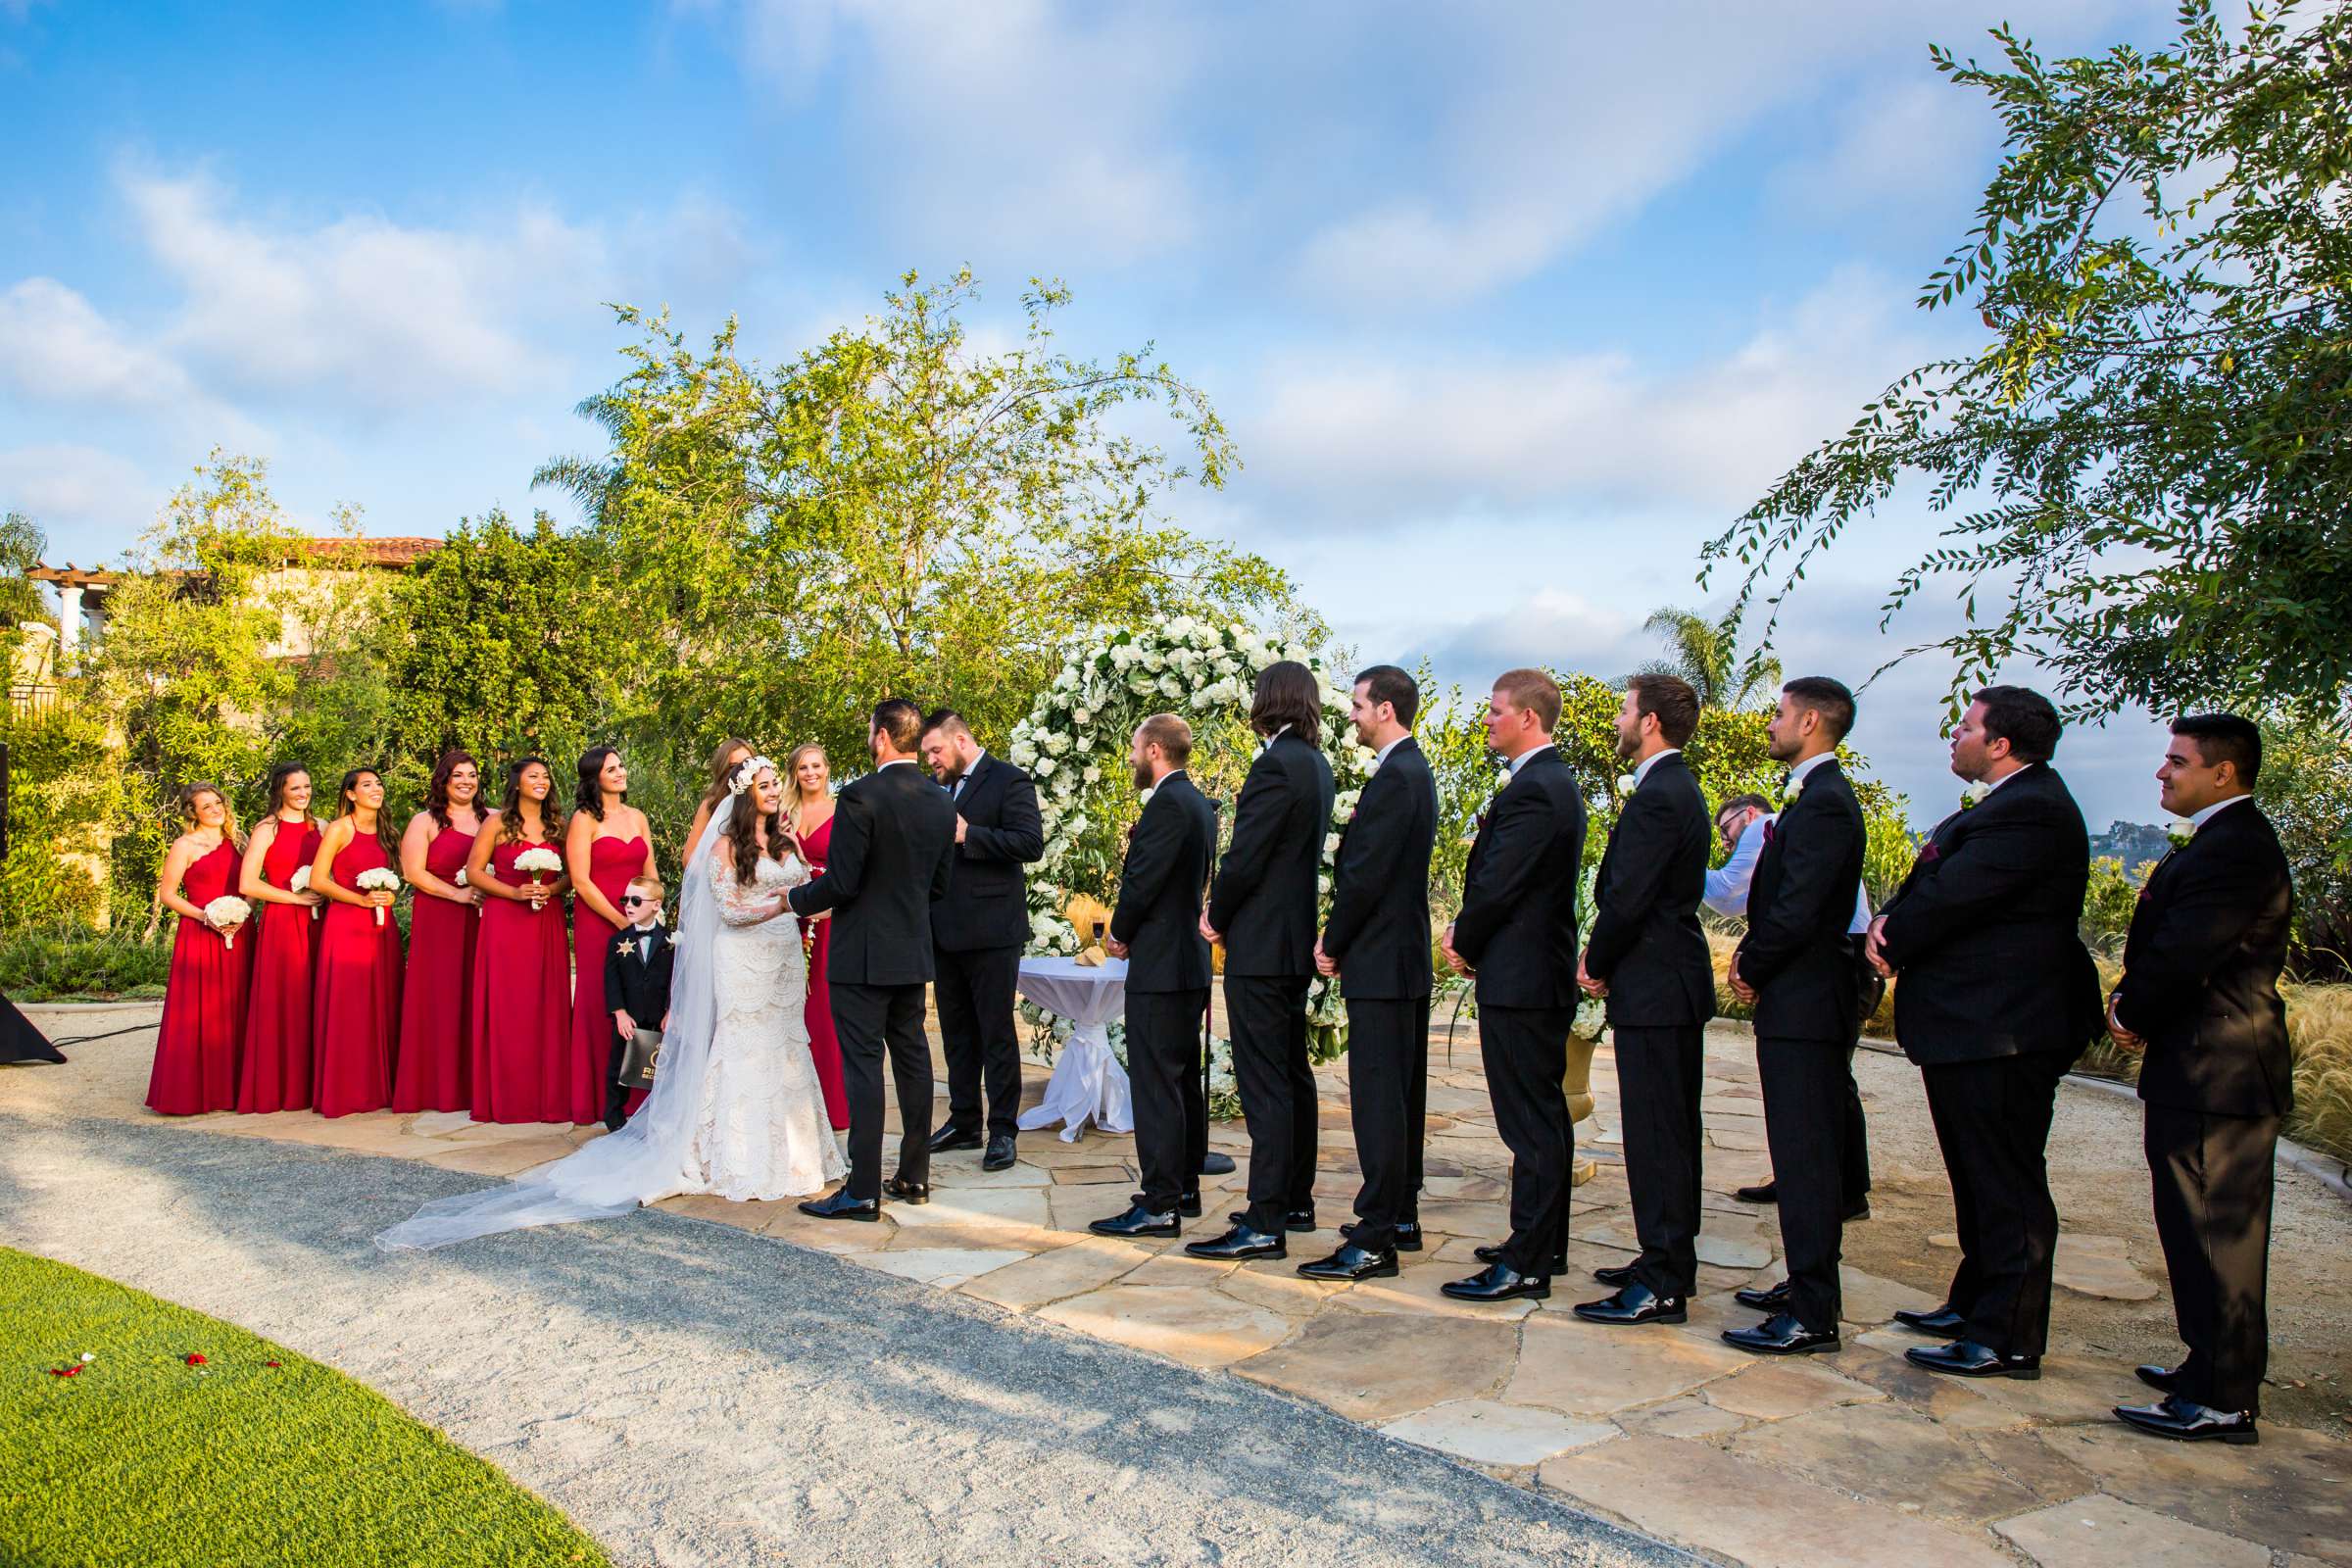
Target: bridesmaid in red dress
732	753
436	1000
276	1070
355	1012
812	809
607	842
521	974
204	995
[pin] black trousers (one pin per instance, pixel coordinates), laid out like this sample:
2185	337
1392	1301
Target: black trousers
1525	1051
1388	1102
872	1021
1163	1073
1992	1120
1804	1083
1854	1172
975	992
1658	1074
1269	1016
2213	1179
616	1093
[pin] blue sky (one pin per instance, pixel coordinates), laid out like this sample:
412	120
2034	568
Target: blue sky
1508	306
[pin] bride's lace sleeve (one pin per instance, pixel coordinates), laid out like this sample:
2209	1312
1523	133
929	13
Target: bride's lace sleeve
737	903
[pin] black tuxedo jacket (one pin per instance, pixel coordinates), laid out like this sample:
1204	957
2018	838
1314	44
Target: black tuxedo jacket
1379	926
1158	916
638	987
1797	952
1517	925
892	858
1984	930
1265	898
1645	941
987	904
2201	972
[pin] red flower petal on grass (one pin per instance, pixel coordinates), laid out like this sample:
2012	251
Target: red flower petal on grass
73	1371
270	1363
196	1360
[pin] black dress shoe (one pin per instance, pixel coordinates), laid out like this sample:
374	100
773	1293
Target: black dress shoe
1859	1210
947	1139
1494	1255
1636	1302
1499	1282
2190	1422
1189	1205
2163	1378
1137	1221
898	1190
1000	1153
839	1204
1293	1219
1966	1358
1946	1321
1614	1274
1782	1335
1408	1234
1353	1263
1238	1244
1768	1301
1763	1192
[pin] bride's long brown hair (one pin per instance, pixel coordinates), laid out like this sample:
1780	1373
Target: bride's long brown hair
741	823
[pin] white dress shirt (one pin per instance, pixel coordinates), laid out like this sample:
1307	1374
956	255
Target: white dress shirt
1521	760
2215	810
1643	772
1382	754
965	777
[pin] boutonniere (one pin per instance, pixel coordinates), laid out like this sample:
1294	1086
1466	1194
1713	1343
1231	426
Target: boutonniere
1974	794
1791	790
1930	853
1625	786
2179	833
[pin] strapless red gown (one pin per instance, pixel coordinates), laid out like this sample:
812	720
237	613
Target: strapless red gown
521	1005
436	1000
276	1070
204	1000
355	1016
824	1045
611	864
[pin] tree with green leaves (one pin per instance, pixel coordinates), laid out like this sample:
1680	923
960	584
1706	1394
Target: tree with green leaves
2145	464
21	544
1706	654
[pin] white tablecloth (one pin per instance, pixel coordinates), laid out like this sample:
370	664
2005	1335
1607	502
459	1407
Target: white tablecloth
1089	1084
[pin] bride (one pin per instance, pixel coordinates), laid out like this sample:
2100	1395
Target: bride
735	1109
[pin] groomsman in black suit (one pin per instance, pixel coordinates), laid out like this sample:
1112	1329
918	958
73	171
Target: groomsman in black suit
894	846
1996	997
2199	996
1797	967
1376	944
1516	932
1157	929
979	930
1648	956
1262	907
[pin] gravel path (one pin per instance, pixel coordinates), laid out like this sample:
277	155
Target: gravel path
693	1395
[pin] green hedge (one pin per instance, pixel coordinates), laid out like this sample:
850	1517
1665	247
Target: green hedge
43	962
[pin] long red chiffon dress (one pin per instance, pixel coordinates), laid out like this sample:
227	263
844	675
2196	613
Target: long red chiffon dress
436	1000
611	864
521	1004
355	1016
824	1045
204	1000
276	1070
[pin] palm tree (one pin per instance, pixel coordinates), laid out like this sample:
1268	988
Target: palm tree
1706	654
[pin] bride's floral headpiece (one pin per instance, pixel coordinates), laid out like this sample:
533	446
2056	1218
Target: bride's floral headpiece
741	779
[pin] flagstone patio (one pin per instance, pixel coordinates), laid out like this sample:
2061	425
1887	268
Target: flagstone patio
1857	1457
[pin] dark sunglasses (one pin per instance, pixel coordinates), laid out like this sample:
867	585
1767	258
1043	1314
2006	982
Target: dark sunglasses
633	899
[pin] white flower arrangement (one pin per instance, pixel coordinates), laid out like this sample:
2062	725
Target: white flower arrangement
377	879
1972	793
1791	790
299	882
539	858
2179	832
227	914
739	780
1626	783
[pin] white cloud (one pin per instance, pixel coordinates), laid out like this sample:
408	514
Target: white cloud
1919	145
55	347
65	484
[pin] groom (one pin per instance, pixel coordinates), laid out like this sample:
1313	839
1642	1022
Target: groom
894	839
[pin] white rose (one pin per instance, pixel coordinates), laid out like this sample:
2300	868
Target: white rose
1045	768
1084	716
1094	776
1154	660
1170	686
1330	845
1141	685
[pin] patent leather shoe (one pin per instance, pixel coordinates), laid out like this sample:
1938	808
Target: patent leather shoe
1000	1153
947	1139
1293	1219
1408	1234
2163	1378
1615	1274
1237	1246
898	1190
1189	1205
2186	1421
1636	1302
1782	1335
1494	1255
1946	1320
1499	1282
1137	1221
1769	1300
1352	1263
1761	1192
839	1204
1966	1358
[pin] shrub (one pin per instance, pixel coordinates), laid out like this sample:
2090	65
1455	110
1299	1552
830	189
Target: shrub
45	961
2319	1032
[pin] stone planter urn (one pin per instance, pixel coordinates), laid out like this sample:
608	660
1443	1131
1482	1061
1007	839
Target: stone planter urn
1578	1082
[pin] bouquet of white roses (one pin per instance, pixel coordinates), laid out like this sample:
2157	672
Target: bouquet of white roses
537	858
299	882
377	879
226	913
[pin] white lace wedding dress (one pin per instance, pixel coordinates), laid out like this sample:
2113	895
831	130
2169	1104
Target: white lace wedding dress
735	1107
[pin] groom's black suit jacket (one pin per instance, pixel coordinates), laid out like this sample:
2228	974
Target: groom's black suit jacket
986	904
1797	952
893	854
1377	932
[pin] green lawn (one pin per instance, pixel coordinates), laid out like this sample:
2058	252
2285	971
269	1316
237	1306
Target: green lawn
256	1456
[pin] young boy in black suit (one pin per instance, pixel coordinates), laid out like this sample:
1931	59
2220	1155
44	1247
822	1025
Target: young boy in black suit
636	983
